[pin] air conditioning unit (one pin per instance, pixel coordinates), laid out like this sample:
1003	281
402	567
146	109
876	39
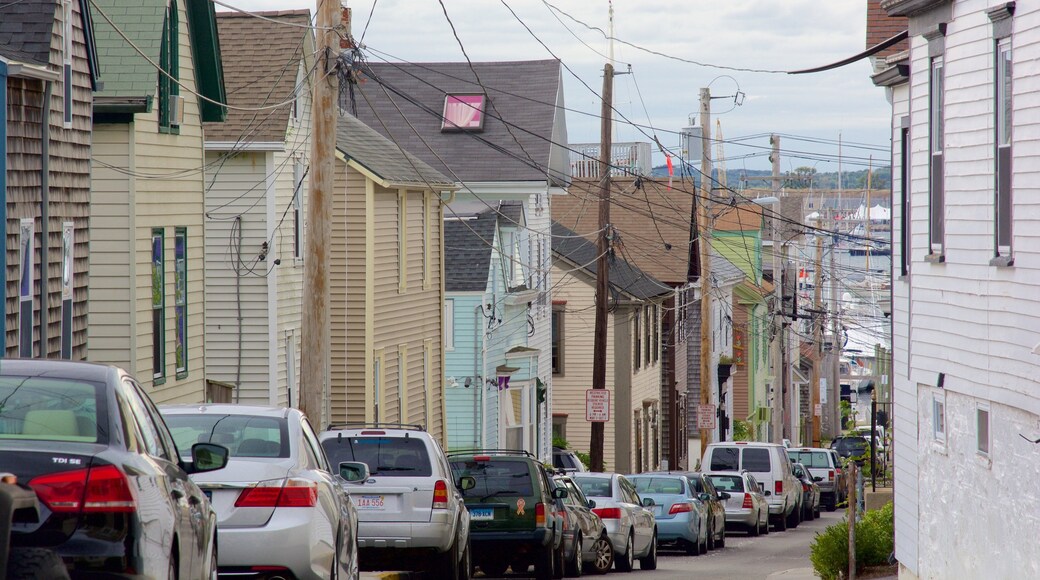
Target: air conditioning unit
176	110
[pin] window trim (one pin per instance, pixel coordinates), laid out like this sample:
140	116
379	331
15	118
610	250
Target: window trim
1003	143
904	199
67	76
936	158
637	334
939	411
169	60
297	205
559	348
980	410
449	324
159	303
180	301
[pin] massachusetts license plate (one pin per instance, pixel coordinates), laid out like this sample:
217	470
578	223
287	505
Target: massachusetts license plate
369	502
482	514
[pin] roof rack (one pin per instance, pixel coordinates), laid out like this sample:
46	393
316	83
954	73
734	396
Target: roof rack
363	425
492	452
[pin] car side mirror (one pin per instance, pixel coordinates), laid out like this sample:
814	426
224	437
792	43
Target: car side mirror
724	495
591	504
354	471
817	479
208	457
648	502
703	496
560	493
467	482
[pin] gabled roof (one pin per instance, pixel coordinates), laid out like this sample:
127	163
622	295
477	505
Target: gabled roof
261	60
467	252
624	277
385	159
524	94
26	28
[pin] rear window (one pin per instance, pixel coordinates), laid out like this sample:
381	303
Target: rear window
48	409
594	486
756	459
727	482
495	478
725	459
810	459
668	485
385	456
243	435
564	460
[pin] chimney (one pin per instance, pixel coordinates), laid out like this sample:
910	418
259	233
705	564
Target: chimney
346	41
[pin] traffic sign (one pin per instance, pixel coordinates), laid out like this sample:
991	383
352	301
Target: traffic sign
706	416
597	405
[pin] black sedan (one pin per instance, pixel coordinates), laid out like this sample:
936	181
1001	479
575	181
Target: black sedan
114	499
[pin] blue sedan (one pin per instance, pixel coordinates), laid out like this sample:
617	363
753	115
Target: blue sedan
681	517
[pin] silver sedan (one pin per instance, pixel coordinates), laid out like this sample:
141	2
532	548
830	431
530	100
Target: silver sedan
746	508
281	511
630	524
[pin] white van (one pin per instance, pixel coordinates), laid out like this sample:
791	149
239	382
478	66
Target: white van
769	463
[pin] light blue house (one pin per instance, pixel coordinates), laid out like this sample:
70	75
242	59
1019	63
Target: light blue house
494	396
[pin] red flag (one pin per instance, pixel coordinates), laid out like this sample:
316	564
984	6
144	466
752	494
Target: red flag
668	161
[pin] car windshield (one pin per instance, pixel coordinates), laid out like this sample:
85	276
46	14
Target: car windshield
385	456
594	486
727	482
495	477
810	459
852	444
665	485
47	409
243	435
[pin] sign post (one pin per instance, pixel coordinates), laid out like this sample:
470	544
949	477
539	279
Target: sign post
597	405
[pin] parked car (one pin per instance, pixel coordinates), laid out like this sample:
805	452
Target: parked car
681	517
823	463
810	491
746	506
630	521
280	507
410	510
852	447
716	504
587	533
113	493
512	507
770	465
567	461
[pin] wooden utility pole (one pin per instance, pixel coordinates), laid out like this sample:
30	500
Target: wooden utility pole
704	242
314	349
814	389
776	349
603	242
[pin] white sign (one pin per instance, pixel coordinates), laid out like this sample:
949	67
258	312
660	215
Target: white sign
597	405
819	410
823	390
706	416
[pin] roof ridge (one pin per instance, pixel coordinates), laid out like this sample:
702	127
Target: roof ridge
265	13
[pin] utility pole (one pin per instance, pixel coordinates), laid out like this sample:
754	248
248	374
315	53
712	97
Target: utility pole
814	389
603	242
703	241
314	350
776	349
835	384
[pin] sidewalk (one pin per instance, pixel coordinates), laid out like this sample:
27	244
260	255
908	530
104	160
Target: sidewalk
391	576
808	574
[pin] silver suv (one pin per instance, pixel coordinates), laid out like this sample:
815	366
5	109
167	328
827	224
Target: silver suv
410	511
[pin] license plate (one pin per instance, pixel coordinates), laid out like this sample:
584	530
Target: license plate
370	502
482	514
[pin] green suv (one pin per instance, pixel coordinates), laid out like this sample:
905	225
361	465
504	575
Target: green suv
515	518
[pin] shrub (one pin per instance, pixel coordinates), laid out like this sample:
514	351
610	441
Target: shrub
829	552
741	430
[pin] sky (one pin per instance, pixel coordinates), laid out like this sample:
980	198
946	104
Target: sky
741	34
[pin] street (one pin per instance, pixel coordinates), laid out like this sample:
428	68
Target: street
779	555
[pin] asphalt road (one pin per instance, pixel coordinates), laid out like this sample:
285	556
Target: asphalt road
778	556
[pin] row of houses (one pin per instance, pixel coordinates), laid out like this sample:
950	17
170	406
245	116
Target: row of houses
155	174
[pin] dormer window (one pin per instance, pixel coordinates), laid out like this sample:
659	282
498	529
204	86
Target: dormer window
171	109
463	112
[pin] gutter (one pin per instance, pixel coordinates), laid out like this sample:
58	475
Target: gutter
32	71
122	105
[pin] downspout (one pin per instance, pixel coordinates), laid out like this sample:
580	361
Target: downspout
3	187
478	396
237	260
45	214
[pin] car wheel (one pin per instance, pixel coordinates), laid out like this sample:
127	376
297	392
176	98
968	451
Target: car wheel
33	563
649	562
574	567
627	560
558	567
756	529
722	537
816	511
793	517
691	548
781	522
448	562
543	566
704	544
604	554
466	565
711	537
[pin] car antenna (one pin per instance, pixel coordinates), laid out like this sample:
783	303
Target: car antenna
339	437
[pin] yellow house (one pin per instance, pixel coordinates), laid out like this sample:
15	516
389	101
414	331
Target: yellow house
160	65
386	276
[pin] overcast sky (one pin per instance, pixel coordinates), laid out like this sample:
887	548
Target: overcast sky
743	34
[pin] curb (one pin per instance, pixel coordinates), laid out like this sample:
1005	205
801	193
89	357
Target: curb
390	576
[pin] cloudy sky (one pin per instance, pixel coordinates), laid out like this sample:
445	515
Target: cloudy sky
742	34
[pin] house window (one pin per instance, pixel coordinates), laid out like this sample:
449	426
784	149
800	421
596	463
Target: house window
936	198
169	73
557	341
637	351
158	307
299	174
402	241
656	313
559	426
648	334
449	324
982	429
1003	147
66	80
180	279
904	201
939	418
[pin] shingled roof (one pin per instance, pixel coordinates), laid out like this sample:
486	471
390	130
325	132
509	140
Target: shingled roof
623	276
261	62
467	252
25	30
362	144
524	93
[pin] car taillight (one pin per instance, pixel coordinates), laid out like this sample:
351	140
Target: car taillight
778	488
805	487
610	513
747	502
678	508
98	489
830	475
440	495
373	432
279	493
481	458
539	515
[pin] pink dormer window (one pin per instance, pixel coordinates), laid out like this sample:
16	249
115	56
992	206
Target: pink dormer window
463	112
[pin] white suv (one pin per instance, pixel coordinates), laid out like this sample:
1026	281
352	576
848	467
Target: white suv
410	512
770	465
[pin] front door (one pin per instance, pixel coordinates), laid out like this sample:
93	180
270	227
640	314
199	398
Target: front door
517	416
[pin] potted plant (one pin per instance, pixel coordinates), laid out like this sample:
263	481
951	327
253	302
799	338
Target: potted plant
725	368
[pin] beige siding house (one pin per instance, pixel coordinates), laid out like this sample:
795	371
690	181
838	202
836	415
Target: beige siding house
387	283
256	195
146	207
632	441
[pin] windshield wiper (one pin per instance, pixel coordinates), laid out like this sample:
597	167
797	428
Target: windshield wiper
500	492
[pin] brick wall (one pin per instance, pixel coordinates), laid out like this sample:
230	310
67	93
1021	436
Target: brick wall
881	27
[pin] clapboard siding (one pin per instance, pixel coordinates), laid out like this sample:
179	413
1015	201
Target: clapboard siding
539	224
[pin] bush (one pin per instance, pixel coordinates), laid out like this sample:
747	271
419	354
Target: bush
829	552
741	430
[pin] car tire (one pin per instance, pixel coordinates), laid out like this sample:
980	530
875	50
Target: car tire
691	548
466	564
794	517
721	543
543	566
33	563
816	511
781	522
627	560
558	567
765	528
604	552
649	562
447	564
711	537
576	565
213	559
704	544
